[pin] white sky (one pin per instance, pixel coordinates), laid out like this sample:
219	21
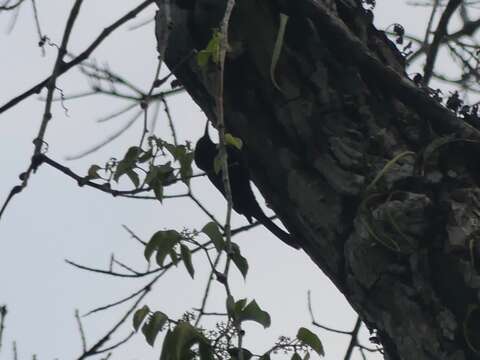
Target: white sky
54	219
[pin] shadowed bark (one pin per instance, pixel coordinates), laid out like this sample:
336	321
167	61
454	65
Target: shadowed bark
374	178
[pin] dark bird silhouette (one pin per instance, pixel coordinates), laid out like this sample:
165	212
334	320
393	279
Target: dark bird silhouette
243	199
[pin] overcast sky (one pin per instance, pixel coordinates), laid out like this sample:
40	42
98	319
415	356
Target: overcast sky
54	219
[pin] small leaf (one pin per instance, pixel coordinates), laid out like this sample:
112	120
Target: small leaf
295	356
162	242
145	156
211	230
93	172
127	163
310	339
186	171
167	346
133	176
239	306
139	316
187	259
235	308
174	257
265	356
132	154
153	326
240	261
217	164
158	190
212	51
253	312
234	141
230	306
169	239
202	58
177	151
235	353
185	335
205	351
151	247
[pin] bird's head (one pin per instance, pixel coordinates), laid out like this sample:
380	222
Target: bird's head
205	152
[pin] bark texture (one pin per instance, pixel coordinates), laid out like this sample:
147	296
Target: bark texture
374	179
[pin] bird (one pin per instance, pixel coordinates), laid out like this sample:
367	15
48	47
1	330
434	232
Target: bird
243	199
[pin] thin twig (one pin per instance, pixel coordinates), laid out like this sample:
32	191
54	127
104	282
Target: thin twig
353	339
15	352
11	7
80	58
133	235
440	33
116	345
314	322
129	297
108	139
81	331
3	314
207	290
96	348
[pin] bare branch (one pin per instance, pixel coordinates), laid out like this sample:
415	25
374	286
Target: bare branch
440	33
80	58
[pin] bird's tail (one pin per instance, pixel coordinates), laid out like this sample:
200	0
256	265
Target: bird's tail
274	229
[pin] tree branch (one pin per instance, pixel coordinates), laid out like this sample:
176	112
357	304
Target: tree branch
437	39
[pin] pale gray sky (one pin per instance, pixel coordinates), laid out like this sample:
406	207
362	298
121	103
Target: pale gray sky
54	219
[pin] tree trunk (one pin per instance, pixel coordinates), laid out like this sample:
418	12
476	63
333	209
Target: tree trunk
373	177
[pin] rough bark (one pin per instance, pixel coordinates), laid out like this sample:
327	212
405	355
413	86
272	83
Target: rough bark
375	179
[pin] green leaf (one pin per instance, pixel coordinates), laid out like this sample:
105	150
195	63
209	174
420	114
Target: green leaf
253	312
234	141
217	164
212	51
158	190
295	356
127	163
186	171
235	353
183	337
154	326
132	154
139	316
187	259
168	240
202	58
133	176
205	351
310	339
265	356
122	168
307	356
93	172
230	306
167	353
212	231
214	46
145	156
162	242
151	247
240	261
177	151
239	306
174	257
